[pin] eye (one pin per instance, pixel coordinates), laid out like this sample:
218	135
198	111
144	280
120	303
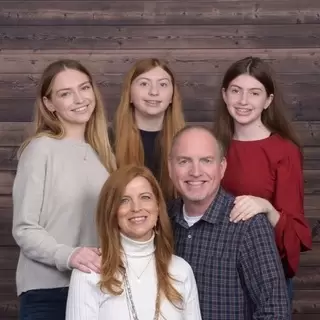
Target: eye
183	161
234	90
65	94
86	87
143	84
207	160
146	197
255	94
124	201
164	84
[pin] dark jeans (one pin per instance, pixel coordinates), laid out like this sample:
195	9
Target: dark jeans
43	304
290	288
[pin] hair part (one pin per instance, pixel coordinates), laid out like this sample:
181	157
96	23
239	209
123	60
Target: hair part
128	144
47	123
109	234
274	117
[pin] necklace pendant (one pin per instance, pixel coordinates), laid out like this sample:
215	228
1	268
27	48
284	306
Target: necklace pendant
138	280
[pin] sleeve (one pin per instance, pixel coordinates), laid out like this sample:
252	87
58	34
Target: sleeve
28	193
191	303
262	272
292	231
83	297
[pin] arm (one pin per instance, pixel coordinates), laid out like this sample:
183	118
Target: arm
191	303
292	231
28	194
262	272
83	297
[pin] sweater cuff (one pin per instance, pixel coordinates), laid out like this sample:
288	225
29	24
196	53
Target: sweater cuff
62	257
279	232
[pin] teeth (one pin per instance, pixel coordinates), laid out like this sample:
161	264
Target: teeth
152	102
243	110
138	219
195	183
80	109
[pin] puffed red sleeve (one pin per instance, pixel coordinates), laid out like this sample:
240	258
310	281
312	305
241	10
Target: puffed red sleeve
292	231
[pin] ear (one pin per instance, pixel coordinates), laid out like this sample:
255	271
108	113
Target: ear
170	167
268	102
48	104
223	167
224	95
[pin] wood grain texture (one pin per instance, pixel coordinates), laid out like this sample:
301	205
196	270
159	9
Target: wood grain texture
70	13
165	37
201	61
13	133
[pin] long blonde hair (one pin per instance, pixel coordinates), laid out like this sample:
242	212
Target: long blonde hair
109	234
128	144
47	124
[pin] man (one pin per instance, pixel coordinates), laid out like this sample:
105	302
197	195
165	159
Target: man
236	265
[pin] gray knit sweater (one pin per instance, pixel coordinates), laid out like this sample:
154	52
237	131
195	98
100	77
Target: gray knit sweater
55	195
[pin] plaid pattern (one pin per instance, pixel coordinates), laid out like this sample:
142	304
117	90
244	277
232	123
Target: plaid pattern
237	266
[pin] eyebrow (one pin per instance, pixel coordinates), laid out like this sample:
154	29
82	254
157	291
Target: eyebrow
234	85
144	78
80	85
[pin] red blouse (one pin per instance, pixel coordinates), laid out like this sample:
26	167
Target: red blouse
271	168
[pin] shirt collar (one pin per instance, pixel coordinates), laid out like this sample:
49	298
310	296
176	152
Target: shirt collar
215	213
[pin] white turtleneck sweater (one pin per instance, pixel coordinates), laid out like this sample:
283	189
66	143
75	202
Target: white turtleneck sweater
87	302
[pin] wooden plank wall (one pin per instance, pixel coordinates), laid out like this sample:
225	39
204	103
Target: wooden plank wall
200	39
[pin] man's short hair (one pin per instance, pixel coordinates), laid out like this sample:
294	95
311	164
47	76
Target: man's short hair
187	128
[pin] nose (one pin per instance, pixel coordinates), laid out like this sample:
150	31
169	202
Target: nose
154	90
135	206
195	170
77	97
244	98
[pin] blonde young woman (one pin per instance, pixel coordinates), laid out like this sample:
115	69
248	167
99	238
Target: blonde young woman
140	277
148	116
60	173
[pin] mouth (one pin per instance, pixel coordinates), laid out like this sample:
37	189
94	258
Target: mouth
80	109
195	184
138	220
243	110
153	103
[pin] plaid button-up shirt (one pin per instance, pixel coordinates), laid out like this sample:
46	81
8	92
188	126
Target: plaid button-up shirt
236	265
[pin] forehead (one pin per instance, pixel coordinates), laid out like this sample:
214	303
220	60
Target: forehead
155	73
197	143
138	185
69	78
246	81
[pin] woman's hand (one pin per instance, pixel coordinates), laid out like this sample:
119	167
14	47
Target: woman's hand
246	207
86	259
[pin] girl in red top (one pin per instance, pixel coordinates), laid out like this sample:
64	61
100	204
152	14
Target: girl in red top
264	161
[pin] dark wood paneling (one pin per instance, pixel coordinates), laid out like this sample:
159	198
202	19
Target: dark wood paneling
199	92
165	37
13	133
154	12
200	61
300	108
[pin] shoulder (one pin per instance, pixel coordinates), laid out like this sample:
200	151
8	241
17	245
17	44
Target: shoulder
180	268
88	279
174	207
285	145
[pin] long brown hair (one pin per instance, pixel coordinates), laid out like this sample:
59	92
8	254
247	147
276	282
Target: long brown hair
128	144
274	117
109	234
47	124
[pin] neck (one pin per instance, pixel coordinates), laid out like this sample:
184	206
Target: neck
152	123
76	132
196	208
137	248
250	132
